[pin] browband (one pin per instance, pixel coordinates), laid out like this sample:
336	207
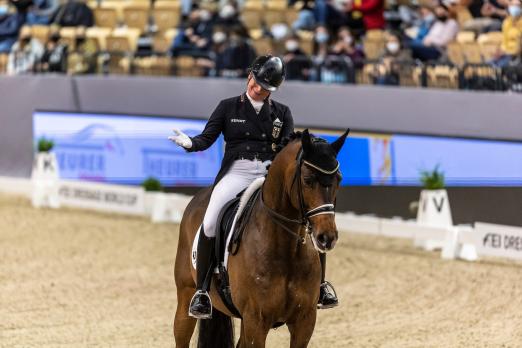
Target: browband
324	171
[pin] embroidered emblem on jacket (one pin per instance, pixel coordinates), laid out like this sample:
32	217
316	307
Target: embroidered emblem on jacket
237	120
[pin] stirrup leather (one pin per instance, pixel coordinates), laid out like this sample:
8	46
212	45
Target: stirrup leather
199	293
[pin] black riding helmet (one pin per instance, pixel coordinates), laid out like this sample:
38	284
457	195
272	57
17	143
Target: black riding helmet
268	72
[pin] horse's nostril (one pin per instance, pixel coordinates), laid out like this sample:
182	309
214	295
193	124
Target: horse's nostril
321	239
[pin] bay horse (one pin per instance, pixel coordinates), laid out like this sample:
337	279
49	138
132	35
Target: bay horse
275	275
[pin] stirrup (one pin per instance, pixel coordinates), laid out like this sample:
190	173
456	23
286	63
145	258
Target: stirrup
197	315
329	291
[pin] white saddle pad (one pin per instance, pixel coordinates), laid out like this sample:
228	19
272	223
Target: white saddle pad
242	203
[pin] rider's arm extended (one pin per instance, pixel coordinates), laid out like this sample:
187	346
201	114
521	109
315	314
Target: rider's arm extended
212	130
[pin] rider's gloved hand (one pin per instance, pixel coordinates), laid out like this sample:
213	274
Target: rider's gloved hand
181	139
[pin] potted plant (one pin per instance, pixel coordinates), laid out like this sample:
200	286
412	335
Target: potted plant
153	192
45	175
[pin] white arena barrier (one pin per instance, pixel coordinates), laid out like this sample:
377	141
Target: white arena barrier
102	197
349	222
497	240
45	177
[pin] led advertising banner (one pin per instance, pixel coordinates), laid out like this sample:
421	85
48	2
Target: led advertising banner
126	149
373	159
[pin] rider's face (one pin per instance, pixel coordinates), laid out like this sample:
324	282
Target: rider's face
255	91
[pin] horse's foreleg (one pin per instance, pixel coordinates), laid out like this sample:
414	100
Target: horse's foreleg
302	329
253	333
184	324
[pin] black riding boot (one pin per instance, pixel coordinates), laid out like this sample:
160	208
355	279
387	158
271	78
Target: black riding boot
327	295
201	305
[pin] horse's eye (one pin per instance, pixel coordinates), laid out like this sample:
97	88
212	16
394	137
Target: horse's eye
309	181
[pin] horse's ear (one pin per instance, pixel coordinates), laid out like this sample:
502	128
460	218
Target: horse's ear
338	144
306	141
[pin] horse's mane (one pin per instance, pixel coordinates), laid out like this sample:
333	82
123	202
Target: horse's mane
296	135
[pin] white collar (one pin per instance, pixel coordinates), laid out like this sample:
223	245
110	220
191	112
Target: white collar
256	104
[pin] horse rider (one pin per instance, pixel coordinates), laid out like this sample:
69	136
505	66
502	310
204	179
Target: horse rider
252	124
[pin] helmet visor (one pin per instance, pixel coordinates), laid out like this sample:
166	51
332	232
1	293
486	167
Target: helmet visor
264	84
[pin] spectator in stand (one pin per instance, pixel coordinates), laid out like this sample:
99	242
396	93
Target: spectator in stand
25	54
306	18
73	13
215	62
85	56
422	27
298	65
195	39
239	55
321	43
10	24
54	58
487	15
443	31
372	12
345	46
228	15
42	11
387	70
512	34
329	13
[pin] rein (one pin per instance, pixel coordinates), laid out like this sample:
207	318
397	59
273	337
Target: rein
304	219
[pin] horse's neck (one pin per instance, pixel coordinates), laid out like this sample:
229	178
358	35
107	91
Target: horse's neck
275	196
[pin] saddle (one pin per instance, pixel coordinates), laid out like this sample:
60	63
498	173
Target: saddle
226	223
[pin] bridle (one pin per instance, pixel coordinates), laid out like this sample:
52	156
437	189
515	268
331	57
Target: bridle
304	216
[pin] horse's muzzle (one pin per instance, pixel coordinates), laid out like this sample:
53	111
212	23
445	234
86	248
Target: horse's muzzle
324	241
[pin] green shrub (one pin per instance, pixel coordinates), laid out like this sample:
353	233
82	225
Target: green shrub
432	180
152	185
45	145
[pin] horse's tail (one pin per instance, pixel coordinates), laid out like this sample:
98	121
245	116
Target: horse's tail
217	332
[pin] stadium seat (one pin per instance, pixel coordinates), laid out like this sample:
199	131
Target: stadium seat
464	37
68	37
291	15
472	53
41	32
3	62
106	17
263	45
455	54
374	43
274	13
490	45
136	16
443	76
166	15
186	66
306	39
252	14
99	35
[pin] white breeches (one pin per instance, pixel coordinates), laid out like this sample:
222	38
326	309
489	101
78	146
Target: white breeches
240	175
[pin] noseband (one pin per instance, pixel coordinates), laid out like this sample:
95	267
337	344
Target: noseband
304	219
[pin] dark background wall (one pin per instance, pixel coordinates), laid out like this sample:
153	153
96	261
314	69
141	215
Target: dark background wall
377	109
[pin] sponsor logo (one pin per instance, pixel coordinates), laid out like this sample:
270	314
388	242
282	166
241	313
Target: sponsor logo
237	120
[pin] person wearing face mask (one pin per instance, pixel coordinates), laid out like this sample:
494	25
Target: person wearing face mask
321	41
441	33
25	54
83	59
511	34
387	70
298	65
54	58
239	54
345	46
195	38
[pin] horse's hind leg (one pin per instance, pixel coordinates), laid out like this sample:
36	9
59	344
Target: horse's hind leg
301	330
184	324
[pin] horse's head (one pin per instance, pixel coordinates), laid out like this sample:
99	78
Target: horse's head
312	177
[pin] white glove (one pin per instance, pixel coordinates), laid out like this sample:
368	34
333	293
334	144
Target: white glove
181	139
